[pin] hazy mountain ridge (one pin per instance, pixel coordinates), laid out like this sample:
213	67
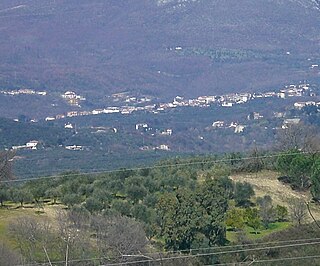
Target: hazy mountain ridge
101	47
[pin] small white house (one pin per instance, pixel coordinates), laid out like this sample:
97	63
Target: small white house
74	148
32	145
167	132
68	126
227	104
163	147
69	95
143	126
289	122
49	118
239	129
218	124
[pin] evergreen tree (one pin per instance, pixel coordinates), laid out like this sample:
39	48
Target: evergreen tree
315	180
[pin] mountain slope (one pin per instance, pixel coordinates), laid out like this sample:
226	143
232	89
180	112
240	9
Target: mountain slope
99	47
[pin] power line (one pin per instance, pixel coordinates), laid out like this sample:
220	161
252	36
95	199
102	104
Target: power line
106	171
66	160
102	171
215	253
241	245
270	260
308	242
286	259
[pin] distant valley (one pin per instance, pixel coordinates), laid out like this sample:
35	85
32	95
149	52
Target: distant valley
158	48
159	132
150	79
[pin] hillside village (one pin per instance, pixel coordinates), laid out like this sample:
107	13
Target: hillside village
300	96
149	104
135	104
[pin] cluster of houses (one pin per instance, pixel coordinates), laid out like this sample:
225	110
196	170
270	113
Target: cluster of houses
227	100
162	147
237	128
289	122
144	127
300	105
31	145
23	91
72	98
34	145
127	98
74	147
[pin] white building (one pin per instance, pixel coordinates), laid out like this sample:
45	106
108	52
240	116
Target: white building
69	95
74	148
163	147
32	145
167	132
218	124
142	126
227	104
290	122
50	118
68	126
239	129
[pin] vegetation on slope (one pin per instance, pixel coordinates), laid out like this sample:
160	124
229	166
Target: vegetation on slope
175	205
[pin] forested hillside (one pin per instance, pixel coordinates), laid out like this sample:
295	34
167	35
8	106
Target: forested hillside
18	133
152	46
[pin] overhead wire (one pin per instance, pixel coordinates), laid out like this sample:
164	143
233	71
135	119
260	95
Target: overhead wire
309	241
268	260
33	161
215	253
107	171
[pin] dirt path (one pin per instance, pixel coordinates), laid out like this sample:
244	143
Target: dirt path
266	183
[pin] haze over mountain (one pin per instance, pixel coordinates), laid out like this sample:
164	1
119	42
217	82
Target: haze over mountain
160	47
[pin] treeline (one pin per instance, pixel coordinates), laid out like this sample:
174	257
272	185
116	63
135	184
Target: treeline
301	170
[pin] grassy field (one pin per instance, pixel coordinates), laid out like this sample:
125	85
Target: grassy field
266	183
11	212
273	227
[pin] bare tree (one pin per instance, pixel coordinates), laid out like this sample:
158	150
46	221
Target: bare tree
31	233
121	235
298	210
6	159
266	210
299	137
74	235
